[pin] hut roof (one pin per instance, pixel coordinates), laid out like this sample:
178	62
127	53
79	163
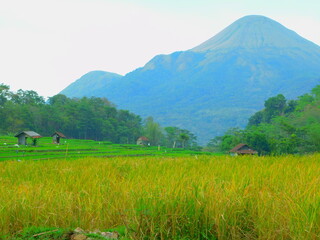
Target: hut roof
143	138
239	149
236	148
31	134
59	134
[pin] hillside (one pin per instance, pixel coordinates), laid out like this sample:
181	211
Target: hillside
220	83
282	127
92	82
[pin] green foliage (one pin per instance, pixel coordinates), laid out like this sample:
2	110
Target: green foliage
172	134
183	137
274	106
83	118
316	93
86	118
28	97
180	138
153	131
4	92
258	141
283	127
41	233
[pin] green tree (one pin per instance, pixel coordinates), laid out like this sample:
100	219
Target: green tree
171	136
214	145
27	97
258	141
4	93
152	131
316	93
303	101
183	137
256	119
274	106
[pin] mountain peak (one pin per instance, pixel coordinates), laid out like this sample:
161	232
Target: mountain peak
255	31
254	19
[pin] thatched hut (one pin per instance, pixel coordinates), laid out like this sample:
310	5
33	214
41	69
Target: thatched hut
22	137
242	149
143	141
56	136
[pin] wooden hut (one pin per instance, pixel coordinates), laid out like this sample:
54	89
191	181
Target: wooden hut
56	136
22	137
143	141
242	149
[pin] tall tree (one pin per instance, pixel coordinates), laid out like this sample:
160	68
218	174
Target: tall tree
153	131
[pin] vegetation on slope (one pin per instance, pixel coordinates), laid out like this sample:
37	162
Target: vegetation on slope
85	118
282	127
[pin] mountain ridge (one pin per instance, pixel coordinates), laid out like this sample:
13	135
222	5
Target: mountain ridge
212	87
83	87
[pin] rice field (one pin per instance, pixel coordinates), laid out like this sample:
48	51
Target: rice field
163	197
76	148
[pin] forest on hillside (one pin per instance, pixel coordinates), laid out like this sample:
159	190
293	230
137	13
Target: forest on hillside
83	118
282	127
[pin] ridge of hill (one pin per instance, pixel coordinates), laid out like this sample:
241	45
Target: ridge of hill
91	82
220	83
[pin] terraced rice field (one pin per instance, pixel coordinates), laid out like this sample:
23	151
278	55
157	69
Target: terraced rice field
157	195
74	148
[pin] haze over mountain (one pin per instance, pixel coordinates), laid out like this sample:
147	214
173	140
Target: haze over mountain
218	84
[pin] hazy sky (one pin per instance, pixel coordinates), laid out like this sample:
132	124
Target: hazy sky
47	44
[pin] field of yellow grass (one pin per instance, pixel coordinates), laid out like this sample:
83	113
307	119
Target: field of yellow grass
202	197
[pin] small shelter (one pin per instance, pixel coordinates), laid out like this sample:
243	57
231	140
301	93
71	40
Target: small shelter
242	149
143	141
22	137
56	137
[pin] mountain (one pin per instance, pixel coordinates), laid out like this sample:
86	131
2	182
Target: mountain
90	84
255	32
220	83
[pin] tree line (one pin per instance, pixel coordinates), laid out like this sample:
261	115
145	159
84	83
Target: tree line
282	127
82	118
172	137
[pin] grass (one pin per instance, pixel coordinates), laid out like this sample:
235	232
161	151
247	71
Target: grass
163	197
75	148
43	233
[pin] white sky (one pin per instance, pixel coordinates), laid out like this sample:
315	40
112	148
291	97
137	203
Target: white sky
47	44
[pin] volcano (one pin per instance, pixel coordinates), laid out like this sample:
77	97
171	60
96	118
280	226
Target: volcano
218	84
